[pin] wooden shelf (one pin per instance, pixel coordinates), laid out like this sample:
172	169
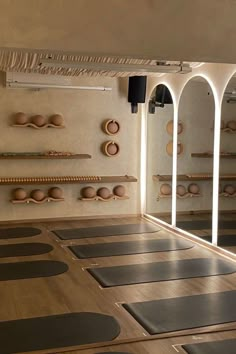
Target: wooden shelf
31	200
186	195
227	195
224	155
65	180
42	156
228	130
111	197
194	177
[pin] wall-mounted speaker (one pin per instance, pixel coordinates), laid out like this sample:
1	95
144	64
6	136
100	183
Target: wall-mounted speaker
137	91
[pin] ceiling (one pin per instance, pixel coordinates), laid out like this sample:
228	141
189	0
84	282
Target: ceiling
182	30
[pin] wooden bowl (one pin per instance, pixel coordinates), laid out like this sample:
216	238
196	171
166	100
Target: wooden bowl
110	148
111	127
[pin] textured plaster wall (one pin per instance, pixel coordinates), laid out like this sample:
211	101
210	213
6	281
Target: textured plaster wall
83	111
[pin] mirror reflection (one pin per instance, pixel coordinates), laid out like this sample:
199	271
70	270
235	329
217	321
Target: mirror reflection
159	154
195	158
227	183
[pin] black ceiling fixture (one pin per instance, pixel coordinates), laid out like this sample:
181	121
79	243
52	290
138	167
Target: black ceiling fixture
136	91
161	98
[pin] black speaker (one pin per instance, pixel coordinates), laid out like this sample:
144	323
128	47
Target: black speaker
163	95
137	91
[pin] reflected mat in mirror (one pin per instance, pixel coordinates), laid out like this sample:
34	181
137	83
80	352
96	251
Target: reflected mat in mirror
218	347
102	231
188	312
58	331
161	271
223	240
205	224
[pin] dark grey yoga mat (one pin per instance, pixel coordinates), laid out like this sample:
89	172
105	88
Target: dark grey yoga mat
205	224
218	347
18	232
176	314
129	247
102	231
24	249
34	269
112	353
161	271
58	331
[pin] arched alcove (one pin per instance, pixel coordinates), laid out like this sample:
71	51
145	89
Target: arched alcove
196	114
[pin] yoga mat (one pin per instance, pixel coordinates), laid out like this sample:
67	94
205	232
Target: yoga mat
58	331
18	232
205	224
161	271
24	249
34	269
219	347
223	240
176	314
102	231
129	247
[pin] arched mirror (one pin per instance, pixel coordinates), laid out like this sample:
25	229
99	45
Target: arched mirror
159	154
195	158
227	183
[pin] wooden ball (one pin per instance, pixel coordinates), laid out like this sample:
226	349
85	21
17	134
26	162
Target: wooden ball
57	120
193	188
20	193
88	192
166	189
119	190
37	194
231	124
20	118
104	192
55	192
181	190
169	148
229	188
38	120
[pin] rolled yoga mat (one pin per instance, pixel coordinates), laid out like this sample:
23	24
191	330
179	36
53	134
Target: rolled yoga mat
34	269
129	247
205	224
58	331
102	231
18	232
188	312
218	347
161	271
24	249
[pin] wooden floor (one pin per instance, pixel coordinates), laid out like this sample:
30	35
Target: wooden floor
76	290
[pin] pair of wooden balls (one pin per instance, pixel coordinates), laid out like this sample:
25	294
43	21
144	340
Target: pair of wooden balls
231	124
229	189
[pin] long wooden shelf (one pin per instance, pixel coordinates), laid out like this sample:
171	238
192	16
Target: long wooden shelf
65	180
194	177
224	155
43	156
